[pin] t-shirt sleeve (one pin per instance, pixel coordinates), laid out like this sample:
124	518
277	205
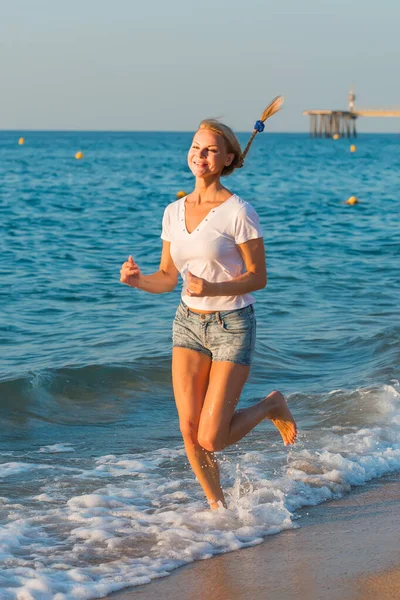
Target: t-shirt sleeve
166	226
247	226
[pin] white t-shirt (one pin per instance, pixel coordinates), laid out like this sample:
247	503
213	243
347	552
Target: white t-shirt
210	251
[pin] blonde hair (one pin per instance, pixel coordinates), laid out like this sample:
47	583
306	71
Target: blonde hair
230	139
231	143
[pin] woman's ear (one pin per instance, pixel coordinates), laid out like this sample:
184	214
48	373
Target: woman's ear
229	159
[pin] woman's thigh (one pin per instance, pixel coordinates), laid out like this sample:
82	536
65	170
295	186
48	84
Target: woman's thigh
190	377
225	385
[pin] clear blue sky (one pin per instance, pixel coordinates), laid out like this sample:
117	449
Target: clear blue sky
166	64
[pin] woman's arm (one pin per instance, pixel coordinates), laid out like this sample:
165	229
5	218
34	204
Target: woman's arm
163	280
255	278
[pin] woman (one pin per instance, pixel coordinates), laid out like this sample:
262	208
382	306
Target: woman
214	240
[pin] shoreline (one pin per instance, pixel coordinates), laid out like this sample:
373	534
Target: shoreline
345	549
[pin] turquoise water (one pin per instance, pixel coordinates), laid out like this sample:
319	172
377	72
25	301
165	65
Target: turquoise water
86	404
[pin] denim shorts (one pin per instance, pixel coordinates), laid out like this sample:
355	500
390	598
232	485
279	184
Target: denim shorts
227	335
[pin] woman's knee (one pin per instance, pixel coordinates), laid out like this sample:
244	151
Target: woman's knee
189	431
210	442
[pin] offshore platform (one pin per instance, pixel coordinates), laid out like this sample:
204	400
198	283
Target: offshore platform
342	123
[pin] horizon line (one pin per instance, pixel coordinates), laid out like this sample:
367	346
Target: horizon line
305	132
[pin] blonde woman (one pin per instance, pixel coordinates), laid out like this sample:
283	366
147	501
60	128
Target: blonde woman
214	240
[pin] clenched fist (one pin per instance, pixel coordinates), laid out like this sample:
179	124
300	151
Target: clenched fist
130	273
198	287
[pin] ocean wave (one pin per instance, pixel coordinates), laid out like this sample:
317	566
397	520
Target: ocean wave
123	520
88	394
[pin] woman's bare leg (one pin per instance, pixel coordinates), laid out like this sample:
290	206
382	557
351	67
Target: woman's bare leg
190	376
274	407
206	396
221	426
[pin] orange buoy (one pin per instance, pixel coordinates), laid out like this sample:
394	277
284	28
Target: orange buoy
352	200
79	155
180	194
21	141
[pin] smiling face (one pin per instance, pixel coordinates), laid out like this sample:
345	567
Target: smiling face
208	154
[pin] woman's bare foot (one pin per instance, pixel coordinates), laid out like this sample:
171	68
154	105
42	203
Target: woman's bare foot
280	415
216	504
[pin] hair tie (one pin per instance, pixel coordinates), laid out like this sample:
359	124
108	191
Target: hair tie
272	108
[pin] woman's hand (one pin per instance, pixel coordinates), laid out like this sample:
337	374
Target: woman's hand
130	273
198	287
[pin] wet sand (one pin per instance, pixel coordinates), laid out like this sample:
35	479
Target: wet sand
347	549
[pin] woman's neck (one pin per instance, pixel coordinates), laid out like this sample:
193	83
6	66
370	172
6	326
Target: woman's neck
207	191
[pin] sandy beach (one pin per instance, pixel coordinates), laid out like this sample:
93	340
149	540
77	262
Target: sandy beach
347	549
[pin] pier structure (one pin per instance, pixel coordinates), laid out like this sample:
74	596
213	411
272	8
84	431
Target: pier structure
342	123
329	123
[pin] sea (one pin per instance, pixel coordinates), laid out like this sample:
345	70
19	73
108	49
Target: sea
96	493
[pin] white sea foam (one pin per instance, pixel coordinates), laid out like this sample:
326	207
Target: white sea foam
79	540
56	448
43	498
16	468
